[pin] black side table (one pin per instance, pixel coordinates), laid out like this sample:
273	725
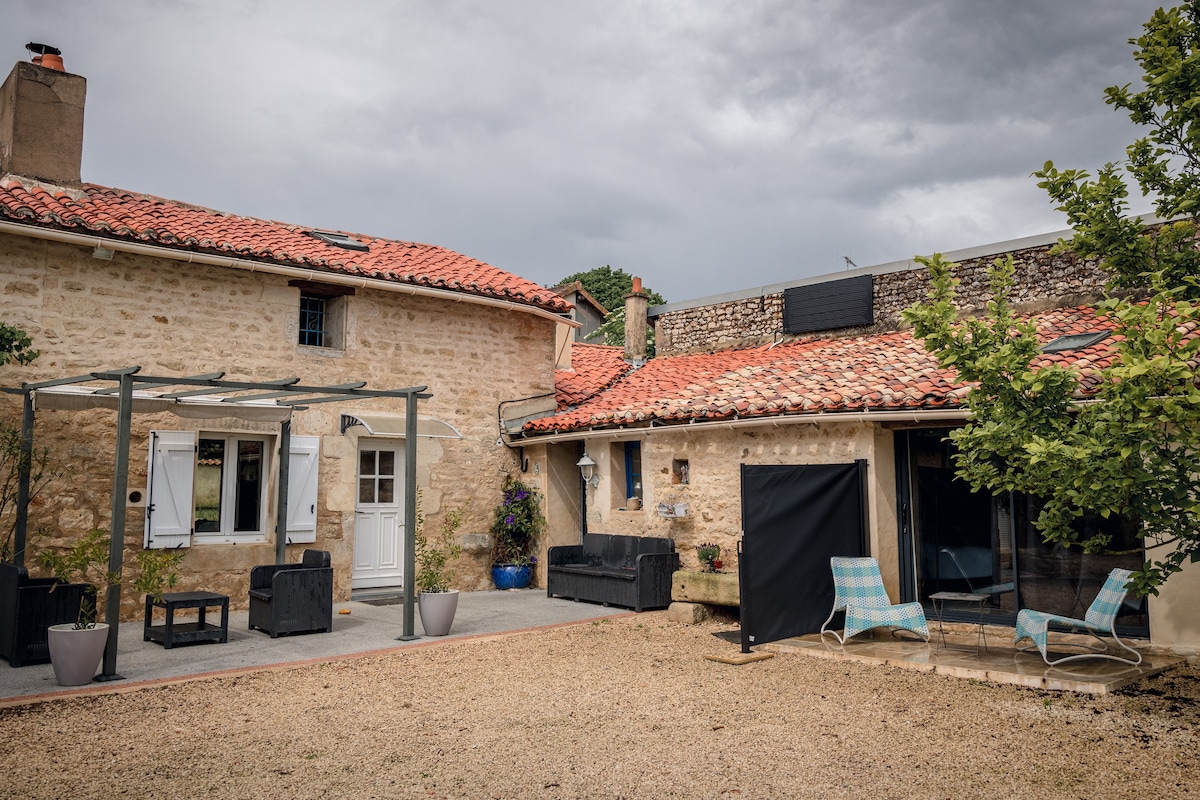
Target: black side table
171	634
940	599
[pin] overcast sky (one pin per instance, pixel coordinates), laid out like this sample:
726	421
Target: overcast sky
705	146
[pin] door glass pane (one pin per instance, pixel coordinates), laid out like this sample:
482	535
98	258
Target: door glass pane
963	538
366	490
387	462
387	490
210	456
366	462
248	485
1065	581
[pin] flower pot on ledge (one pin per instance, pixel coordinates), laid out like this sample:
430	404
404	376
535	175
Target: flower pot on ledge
512	576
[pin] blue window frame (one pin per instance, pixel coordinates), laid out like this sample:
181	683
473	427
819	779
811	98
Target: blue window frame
633	470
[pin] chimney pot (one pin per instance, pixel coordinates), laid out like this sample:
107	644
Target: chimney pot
46	55
636	306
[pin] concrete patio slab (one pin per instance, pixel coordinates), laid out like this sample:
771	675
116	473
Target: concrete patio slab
1000	663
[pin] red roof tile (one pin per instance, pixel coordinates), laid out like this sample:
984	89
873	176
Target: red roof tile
594	367
879	372
122	215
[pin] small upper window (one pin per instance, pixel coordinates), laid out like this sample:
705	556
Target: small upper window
323	310
1075	341
314	320
339	240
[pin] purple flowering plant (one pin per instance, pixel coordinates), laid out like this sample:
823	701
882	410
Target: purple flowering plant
516	523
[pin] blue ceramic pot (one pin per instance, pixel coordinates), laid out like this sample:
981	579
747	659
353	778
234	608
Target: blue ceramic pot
512	576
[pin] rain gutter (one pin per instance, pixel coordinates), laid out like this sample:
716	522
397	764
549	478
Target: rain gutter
931	415
298	273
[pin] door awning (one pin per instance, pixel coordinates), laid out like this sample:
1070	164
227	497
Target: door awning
393	425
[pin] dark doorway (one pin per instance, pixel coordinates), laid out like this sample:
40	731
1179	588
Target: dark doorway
794	518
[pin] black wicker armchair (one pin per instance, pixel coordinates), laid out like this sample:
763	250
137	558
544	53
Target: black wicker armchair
293	598
28	607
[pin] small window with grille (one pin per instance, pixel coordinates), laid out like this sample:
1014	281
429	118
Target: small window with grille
322	319
313	320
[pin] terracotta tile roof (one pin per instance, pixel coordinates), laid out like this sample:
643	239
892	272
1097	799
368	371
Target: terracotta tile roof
594	367
122	215
882	372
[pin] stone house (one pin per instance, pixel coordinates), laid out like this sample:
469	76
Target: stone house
104	278
761	403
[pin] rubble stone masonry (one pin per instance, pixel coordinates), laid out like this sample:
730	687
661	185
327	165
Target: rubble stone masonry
1042	280
177	319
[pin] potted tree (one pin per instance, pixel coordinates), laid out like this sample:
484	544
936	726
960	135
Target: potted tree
436	601
516	524
76	648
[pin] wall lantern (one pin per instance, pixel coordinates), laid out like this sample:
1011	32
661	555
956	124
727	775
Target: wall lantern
587	468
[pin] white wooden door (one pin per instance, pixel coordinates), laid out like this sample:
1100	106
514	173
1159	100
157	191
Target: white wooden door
379	515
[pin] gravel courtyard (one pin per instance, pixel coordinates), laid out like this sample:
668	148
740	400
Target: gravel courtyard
620	708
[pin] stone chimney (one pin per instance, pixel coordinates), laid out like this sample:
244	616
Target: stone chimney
41	120
637	304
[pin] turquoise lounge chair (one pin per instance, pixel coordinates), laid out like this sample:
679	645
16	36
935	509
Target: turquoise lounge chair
858	588
1099	619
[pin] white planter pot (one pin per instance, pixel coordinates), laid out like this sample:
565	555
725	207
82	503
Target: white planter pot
437	611
75	653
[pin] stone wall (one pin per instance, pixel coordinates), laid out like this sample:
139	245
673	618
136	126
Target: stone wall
177	319
1041	278
713	493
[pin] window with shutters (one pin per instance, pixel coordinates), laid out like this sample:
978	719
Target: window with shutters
213	488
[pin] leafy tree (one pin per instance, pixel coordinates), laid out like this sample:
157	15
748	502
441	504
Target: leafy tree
15	346
609	286
1134	453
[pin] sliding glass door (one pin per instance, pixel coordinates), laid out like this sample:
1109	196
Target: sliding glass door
964	541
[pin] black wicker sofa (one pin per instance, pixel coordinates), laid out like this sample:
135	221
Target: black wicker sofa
627	571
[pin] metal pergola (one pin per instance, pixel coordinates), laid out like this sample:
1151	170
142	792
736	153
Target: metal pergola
205	396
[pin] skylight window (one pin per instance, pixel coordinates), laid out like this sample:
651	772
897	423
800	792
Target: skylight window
339	240
1076	341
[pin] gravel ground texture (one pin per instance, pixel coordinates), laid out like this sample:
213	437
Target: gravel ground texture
621	708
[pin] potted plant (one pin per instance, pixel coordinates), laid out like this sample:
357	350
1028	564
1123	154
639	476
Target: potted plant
76	648
710	556
436	601
516	524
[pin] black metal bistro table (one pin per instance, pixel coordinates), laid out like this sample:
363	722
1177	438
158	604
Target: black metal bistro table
171	634
939	600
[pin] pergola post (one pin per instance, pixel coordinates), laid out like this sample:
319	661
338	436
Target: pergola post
24	477
285	460
410	513
116	538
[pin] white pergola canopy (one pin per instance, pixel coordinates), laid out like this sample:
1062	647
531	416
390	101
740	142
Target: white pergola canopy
79	398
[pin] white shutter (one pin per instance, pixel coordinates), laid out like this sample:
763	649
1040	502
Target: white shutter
171	475
302	489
